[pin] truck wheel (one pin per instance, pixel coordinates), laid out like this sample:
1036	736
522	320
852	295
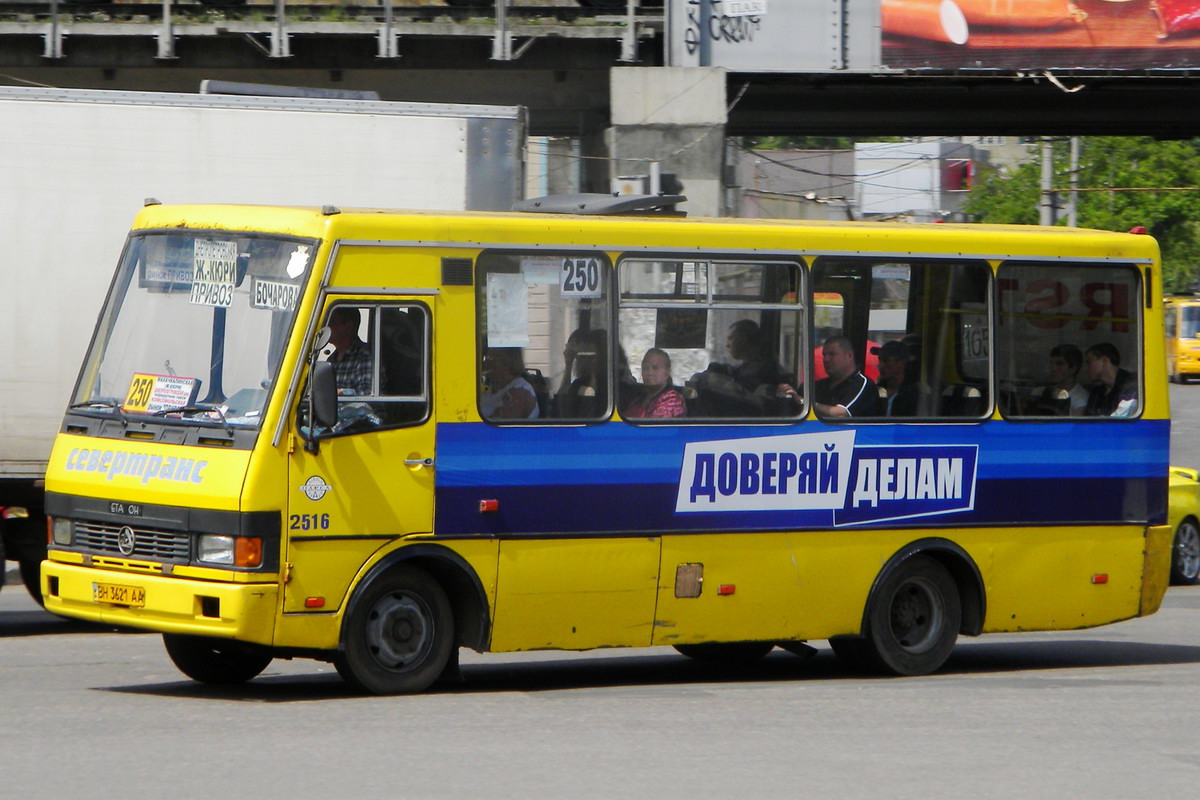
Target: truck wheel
913	618
398	637
729	652
31	576
216	661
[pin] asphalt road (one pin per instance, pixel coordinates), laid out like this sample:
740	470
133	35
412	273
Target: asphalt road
1103	713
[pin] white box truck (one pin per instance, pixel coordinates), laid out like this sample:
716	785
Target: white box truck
75	165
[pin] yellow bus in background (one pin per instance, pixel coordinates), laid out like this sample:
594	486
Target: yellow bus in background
1181	321
374	438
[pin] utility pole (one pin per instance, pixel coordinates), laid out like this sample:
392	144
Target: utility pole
1046	206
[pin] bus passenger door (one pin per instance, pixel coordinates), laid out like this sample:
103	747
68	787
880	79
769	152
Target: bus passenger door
371	479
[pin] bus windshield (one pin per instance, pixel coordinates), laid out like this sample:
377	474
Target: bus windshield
195	326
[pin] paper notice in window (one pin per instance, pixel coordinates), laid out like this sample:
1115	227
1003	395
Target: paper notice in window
507	310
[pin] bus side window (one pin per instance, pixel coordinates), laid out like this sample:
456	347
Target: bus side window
545	352
1067	343
380	355
711	339
919	329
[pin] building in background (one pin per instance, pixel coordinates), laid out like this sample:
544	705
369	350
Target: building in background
920	180
924	181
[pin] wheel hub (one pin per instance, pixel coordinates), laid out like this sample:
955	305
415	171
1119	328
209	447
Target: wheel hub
1187	545
399	631
916	617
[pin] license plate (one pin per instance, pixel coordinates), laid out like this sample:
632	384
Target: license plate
118	595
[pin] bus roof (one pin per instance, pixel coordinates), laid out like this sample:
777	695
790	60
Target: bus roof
764	236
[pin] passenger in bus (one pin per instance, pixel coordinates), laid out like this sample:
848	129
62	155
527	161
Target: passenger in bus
1115	390
1065	362
659	398
746	388
898	391
351	359
508	395
583	393
846	392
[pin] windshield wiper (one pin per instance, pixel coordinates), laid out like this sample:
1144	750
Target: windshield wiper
195	408
109	404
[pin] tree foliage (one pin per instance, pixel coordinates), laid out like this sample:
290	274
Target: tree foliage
1111	162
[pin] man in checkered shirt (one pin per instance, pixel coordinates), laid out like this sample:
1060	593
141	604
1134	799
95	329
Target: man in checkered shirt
351	360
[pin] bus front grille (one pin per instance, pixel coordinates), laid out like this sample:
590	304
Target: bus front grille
101	537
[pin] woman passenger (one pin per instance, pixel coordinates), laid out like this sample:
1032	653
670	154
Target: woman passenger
660	399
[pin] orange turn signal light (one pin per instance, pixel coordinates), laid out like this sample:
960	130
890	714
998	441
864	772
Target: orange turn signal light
247	551
1100	577
314	602
488	506
726	589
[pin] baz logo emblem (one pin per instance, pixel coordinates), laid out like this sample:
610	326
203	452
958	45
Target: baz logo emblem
126	541
315	488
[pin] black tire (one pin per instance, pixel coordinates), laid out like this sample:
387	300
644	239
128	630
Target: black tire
216	661
31	576
913	618
602	3
468	3
727	652
1185	554
399	636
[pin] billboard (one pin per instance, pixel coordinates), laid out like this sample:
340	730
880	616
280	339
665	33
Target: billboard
933	35
1040	34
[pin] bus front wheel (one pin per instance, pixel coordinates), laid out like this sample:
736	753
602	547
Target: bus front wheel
399	636
913	618
215	661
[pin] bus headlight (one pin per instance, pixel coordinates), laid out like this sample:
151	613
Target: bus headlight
236	551
61	531
216	549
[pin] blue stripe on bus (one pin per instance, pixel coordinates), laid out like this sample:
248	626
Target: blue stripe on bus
624	479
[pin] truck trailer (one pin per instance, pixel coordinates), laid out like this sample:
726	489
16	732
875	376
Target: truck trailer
78	164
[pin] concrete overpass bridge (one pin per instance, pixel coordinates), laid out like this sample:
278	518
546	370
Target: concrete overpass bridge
645	80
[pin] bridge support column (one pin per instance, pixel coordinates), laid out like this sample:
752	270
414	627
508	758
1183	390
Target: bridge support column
672	117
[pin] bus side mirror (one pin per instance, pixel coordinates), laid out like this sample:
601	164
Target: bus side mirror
324	395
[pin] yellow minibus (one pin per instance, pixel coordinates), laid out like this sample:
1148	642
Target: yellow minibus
376	437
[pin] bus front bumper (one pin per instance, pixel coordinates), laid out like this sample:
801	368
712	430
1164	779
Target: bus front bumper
242	611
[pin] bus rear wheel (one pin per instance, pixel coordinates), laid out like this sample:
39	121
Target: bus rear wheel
729	652
399	636
913	618
215	661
